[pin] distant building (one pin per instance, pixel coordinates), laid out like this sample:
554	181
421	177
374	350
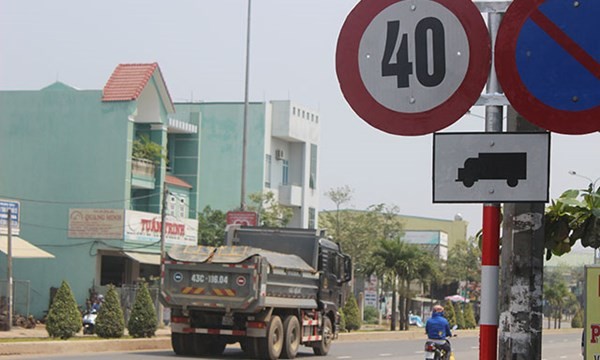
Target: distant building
282	155
91	199
436	242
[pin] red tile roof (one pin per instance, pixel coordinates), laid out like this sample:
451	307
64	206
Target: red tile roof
127	81
173	180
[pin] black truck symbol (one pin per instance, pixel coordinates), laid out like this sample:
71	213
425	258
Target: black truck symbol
509	166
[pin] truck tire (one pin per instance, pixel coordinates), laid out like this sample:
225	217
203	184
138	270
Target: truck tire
215	346
322	348
291	340
270	347
199	347
250	347
182	344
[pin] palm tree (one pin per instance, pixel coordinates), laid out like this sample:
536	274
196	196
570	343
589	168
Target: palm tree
402	263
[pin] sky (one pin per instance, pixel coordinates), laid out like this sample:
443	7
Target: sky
200	46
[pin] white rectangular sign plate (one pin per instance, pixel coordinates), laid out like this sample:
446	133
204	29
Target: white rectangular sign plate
491	167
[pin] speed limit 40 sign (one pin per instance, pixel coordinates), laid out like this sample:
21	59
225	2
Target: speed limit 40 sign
412	67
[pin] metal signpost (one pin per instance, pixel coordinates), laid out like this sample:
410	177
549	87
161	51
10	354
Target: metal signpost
548	62
412	67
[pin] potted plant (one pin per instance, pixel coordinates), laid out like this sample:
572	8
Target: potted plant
146	149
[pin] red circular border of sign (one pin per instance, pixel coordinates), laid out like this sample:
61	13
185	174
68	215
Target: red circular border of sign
429	121
527	105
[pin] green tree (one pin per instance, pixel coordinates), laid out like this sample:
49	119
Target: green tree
110	322
64	318
142	322
352	314
460	317
371	315
464	265
342	321
211	227
449	313
270	212
339	196
577	321
470	322
575	215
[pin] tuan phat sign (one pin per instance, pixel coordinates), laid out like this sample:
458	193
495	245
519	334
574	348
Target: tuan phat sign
146	227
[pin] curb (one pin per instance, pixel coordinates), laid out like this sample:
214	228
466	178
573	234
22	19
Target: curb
163	342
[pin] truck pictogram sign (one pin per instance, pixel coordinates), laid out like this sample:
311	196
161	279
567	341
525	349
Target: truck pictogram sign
511	167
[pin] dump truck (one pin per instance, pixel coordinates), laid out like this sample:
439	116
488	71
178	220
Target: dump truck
271	290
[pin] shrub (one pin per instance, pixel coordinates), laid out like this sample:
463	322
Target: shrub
371	315
470	322
64	318
577	321
342	321
449	313
110	322
352	314
142	322
460	318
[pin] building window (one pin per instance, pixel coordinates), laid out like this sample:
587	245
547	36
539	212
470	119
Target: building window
294	110
312	215
285	172
268	170
312	182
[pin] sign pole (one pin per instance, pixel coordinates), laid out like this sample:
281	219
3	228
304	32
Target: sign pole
9	272
490	252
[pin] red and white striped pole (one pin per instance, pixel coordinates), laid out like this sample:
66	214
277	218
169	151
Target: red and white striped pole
490	255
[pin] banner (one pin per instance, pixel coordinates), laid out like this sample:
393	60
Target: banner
592	315
146	227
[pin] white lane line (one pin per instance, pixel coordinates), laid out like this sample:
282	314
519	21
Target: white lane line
385	355
344	357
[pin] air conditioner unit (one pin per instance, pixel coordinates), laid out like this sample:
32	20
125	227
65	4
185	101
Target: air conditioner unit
279	154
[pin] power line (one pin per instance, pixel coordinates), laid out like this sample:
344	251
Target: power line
79	202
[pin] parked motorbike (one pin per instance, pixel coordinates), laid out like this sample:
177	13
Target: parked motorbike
89	322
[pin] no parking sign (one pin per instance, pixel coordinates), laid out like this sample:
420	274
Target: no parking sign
548	63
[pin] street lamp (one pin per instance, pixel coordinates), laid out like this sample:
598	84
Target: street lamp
592	182
592	188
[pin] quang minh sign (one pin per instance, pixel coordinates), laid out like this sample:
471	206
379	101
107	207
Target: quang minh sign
146	227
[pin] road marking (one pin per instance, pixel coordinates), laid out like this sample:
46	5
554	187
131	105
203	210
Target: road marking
385	355
563	357
474	347
344	357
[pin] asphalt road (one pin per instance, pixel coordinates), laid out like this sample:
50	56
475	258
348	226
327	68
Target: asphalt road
555	347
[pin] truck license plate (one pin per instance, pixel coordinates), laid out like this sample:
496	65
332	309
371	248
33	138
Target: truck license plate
227	320
201	278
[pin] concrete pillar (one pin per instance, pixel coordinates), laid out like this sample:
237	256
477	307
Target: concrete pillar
522	261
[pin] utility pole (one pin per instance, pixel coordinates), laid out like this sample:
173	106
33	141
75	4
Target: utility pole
245	130
522	271
9	273
163	240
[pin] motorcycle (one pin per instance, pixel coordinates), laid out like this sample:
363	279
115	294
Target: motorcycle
434	350
89	321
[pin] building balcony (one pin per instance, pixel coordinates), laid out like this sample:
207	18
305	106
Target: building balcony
290	195
142	173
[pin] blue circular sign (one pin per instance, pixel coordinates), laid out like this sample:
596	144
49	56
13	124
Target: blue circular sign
177	277
548	63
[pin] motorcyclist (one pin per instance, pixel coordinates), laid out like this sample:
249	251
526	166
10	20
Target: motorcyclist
438	328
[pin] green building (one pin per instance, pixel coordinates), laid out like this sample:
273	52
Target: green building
80	164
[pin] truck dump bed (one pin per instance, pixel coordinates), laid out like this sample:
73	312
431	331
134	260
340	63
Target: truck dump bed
240	278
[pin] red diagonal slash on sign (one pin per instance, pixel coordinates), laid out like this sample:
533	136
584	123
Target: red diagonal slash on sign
566	42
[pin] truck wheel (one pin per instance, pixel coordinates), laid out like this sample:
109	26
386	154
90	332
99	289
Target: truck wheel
199	347
323	346
270	346
182	343
250	347
215	346
512	182
291	341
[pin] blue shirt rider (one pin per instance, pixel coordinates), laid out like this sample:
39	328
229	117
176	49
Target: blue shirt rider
438	328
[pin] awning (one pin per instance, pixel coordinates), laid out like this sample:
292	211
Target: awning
144	258
22	248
